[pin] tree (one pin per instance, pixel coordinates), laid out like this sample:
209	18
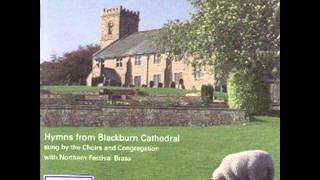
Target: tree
72	68
128	76
226	34
168	73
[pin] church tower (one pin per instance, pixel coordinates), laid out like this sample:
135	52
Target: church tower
117	23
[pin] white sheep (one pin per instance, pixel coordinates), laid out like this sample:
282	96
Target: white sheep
246	165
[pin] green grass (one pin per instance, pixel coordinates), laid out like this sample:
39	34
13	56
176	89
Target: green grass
88	89
150	91
200	151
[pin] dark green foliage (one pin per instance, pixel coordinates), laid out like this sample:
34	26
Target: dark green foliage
71	69
160	85
103	91
173	85
248	91
181	82
207	93
151	84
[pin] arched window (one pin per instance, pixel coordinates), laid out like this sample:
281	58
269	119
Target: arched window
110	25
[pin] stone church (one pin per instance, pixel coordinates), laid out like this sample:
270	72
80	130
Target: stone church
129	57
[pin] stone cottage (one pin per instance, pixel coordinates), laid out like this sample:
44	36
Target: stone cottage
127	53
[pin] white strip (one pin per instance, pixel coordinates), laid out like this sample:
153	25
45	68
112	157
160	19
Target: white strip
67	177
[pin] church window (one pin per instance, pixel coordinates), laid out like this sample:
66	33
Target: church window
110	25
119	62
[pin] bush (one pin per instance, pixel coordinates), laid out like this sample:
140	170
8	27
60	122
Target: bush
206	93
151	84
96	81
104	91
143	85
248	91
181	82
128	75
173	85
160	85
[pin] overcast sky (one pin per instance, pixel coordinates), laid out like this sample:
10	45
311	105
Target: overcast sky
66	24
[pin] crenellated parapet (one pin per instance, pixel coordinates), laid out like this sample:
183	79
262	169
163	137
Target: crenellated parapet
120	10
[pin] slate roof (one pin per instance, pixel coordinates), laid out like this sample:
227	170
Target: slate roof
136	43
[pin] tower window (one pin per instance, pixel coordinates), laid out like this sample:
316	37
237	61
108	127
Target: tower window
110	25
119	62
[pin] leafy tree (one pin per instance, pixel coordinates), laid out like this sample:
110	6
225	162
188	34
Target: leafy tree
226	34
72	68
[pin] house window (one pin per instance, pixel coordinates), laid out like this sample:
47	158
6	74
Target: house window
137	60
156	79
198	71
137	81
157	59
110	25
119	62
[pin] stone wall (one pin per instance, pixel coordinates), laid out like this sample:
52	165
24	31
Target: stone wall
124	116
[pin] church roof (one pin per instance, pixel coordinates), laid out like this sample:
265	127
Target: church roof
133	44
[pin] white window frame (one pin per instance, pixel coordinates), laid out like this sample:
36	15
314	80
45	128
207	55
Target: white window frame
119	62
137	60
157	59
198	72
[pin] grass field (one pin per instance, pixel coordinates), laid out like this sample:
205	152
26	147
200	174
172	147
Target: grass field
200	151
88	89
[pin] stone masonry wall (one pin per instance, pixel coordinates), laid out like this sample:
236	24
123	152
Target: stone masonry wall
138	116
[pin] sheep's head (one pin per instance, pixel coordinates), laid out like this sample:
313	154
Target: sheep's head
217	175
